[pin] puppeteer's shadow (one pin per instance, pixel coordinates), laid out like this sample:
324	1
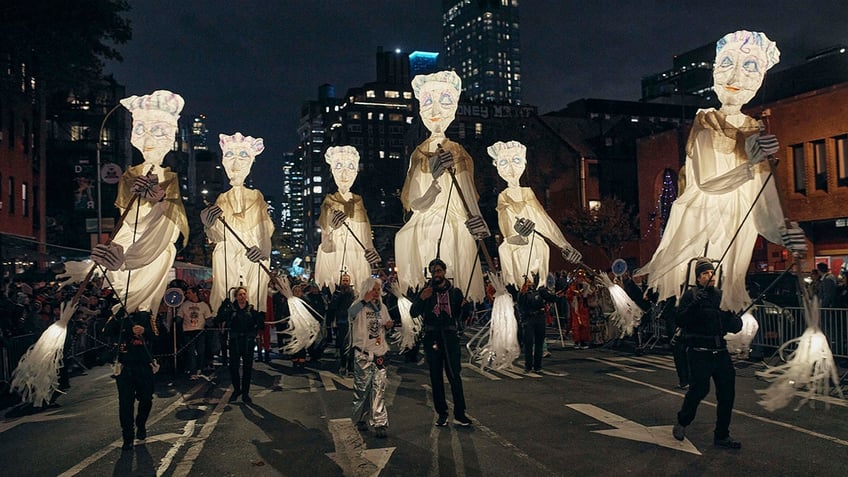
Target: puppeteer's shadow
291	445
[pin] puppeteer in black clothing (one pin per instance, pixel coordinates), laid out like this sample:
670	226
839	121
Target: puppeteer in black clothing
531	305
703	326
442	308
133	335
244	323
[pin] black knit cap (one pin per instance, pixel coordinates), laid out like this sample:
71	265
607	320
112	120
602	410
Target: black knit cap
437	261
702	265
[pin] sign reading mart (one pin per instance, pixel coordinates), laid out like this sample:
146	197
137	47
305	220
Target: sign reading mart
486	111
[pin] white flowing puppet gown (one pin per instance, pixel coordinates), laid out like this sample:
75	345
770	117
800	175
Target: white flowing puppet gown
339	251
514	257
416	241
720	188
246	211
147	235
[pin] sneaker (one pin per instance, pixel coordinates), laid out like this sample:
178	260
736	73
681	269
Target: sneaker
141	433
462	420
727	443
381	432
546	354
679	432
442	421
683	387
361	426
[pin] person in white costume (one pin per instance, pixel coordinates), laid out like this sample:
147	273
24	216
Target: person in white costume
725	170
246	212
340	251
142	252
433	232
520	254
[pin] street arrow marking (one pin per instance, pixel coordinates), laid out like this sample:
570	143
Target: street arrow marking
355	459
626	429
40	417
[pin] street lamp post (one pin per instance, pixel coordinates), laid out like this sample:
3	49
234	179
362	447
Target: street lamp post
98	172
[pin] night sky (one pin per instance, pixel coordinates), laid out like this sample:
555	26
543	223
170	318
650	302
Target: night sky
248	65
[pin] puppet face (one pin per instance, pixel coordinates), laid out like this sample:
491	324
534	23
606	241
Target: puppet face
438	102
511	163
238	159
345	167
153	134
738	74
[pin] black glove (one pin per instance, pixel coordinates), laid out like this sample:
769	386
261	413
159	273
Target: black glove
148	188
524	227
338	219
210	215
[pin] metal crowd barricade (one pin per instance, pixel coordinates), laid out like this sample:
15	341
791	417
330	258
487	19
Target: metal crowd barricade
12	350
779	325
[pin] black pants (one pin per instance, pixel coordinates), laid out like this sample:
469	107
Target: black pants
681	363
534	340
442	351
704	365
241	349
195	348
345	353
134	383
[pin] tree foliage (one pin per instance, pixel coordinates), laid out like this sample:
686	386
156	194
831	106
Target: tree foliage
606	227
63	43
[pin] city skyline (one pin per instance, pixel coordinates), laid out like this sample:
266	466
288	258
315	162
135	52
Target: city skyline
255	80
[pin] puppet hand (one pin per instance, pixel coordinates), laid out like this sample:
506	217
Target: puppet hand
110	256
571	255
794	239
524	227
148	188
254	254
441	162
373	257
760	146
477	227
209	216
338	218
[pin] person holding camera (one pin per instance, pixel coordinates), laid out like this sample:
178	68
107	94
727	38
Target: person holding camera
704	324
442	306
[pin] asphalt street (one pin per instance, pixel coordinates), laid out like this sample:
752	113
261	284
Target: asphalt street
602	411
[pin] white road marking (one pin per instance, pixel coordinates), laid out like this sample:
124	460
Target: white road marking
41	417
622	367
329	380
742	413
644	361
480	371
184	467
627	429
165	462
352	455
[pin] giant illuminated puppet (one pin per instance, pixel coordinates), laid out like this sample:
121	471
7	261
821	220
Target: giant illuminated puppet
346	244
725	170
245	213
523	256
140	256
440	192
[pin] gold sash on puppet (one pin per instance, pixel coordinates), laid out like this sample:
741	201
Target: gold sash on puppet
420	162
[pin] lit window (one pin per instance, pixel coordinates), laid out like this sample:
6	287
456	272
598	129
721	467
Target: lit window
407	95
842	161
370	115
317	189
820	159
799	173
478	129
382	154
392	94
316	179
370	94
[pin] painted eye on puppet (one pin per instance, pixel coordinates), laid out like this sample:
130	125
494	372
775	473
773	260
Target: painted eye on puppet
446	99
157	131
516	160
228	154
139	130
427	100
502	162
244	155
351	167
726	62
338	165
751	66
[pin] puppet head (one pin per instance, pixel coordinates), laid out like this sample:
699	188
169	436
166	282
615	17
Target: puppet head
438	98
510	158
742	59
154	125
344	164
239	152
